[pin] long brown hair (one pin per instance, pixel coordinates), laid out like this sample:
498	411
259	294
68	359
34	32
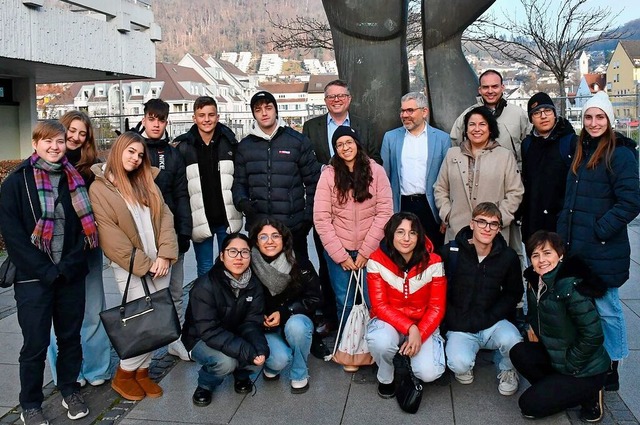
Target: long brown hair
358	181
136	186
606	147
88	150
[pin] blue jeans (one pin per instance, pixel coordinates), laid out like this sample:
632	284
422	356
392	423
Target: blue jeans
297	333
384	341
216	365
204	249
340	282
462	347
612	319
96	348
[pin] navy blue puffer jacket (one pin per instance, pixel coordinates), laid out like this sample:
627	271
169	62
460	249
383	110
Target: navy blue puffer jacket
599	204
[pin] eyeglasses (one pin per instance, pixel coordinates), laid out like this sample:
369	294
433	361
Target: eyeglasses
344	145
546	111
401	234
274	237
493	225
409	111
341	96
233	253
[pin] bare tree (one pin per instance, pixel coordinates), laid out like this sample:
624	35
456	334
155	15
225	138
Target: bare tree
549	38
307	34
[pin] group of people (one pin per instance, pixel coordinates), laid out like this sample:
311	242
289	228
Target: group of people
434	222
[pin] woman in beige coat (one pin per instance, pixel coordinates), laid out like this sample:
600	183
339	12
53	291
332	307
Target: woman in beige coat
131	213
479	170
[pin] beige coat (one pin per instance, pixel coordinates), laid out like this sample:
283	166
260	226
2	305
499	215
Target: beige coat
496	179
117	230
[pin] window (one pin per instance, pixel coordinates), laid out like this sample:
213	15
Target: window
136	90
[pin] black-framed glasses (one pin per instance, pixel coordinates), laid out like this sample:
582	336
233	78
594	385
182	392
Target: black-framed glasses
274	237
493	225
340	96
233	253
546	111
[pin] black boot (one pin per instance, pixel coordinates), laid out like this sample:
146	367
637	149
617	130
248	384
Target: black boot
593	410
318	347
611	382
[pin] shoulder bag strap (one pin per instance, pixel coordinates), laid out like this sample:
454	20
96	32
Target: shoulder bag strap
145	287
344	309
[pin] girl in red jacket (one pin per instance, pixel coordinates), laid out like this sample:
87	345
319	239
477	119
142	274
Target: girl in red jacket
407	289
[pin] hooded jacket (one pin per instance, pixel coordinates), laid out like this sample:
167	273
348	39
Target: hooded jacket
191	146
225	322
117	229
480	294
563	315
544	175
276	176
599	204
407	297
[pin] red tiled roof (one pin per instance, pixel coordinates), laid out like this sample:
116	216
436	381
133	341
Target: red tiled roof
284	87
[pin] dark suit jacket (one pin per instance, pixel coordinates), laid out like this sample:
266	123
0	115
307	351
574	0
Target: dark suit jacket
316	130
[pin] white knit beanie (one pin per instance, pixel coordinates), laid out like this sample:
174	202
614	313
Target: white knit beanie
600	100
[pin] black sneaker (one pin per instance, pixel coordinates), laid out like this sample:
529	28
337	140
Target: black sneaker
386	390
75	405
318	347
201	397
593	411
33	417
612	379
243	385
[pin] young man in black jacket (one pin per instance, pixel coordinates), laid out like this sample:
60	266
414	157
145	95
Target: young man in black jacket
209	149
172	182
484	286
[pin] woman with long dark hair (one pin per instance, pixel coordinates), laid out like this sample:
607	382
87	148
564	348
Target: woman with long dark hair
352	204
223	323
292	294
407	288
131	214
564	358
48	226
96	348
601	199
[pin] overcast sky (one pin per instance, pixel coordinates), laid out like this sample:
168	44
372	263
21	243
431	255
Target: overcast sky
631	7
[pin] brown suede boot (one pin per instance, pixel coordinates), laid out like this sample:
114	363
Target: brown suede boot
125	384
150	388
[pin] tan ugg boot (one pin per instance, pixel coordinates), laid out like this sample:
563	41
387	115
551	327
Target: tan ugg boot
125	384
150	388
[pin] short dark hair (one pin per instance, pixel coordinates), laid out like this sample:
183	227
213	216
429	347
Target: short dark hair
494	131
541	237
157	108
203	101
489	71
488	209
339	83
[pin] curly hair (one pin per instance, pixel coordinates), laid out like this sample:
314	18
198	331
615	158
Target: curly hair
359	180
287	237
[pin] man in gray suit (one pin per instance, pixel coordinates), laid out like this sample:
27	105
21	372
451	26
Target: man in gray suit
412	156
320	129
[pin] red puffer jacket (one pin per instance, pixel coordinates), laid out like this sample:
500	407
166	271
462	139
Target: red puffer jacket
404	298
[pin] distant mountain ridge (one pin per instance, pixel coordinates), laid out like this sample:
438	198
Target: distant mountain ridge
633	27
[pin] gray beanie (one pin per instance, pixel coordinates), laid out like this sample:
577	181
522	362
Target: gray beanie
600	100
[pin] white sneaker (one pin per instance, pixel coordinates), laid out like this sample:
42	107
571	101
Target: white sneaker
508	382
176	348
300	387
82	382
465	378
97	382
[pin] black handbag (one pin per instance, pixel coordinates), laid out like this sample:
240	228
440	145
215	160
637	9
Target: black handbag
144	324
7	273
409	391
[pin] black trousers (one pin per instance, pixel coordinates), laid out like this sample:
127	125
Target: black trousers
329	297
419	205
38	305
550	392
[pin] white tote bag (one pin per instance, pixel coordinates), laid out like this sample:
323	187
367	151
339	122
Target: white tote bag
352	349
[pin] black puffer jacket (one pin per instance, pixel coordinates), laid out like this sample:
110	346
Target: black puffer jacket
172	182
544	174
230	324
276	178
564	317
480	294
599	204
